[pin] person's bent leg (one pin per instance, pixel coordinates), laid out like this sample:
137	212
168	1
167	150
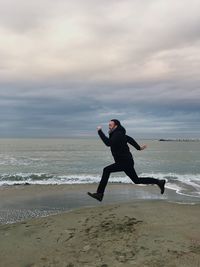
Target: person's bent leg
104	180
105	176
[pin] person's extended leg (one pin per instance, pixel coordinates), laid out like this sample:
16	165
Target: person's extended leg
130	171
104	180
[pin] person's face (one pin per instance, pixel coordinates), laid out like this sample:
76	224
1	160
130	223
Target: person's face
111	125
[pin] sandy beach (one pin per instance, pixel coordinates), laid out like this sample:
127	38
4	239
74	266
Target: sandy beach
151	233
22	202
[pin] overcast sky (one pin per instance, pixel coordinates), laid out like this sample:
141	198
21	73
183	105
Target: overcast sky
68	66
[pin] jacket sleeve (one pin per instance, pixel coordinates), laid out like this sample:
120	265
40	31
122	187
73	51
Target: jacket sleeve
132	142
104	138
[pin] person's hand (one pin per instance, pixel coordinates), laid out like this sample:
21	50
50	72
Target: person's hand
143	147
99	128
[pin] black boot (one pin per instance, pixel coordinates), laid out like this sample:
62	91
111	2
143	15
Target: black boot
161	185
98	196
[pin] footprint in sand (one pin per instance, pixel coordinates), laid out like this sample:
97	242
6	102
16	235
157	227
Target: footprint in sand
31	265
46	224
44	259
195	248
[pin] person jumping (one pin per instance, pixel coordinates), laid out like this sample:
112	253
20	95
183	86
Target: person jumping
123	158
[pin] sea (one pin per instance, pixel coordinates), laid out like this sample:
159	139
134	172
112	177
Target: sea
81	161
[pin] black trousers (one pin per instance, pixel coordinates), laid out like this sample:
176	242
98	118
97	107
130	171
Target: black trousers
128	168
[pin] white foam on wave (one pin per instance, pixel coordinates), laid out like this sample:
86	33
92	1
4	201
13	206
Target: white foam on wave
45	179
184	184
9	160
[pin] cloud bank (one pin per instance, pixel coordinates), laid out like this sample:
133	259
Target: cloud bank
66	67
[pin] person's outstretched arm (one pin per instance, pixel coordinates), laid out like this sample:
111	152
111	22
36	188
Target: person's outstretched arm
104	138
132	142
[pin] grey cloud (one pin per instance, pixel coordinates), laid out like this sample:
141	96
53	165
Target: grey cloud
46	116
76	64
22	16
80	115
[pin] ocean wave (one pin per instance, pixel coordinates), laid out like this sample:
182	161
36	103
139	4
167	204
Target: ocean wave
185	184
43	178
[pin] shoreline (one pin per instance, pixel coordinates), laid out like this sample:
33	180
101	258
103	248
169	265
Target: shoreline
138	233
22	202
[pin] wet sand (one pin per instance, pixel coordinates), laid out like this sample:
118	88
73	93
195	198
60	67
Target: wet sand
19	203
150	233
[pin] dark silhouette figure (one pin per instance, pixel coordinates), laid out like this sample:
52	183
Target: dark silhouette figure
123	158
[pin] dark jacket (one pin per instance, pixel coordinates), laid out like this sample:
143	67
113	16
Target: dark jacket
117	142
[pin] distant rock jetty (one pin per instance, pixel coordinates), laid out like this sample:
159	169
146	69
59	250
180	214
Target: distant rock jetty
179	140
